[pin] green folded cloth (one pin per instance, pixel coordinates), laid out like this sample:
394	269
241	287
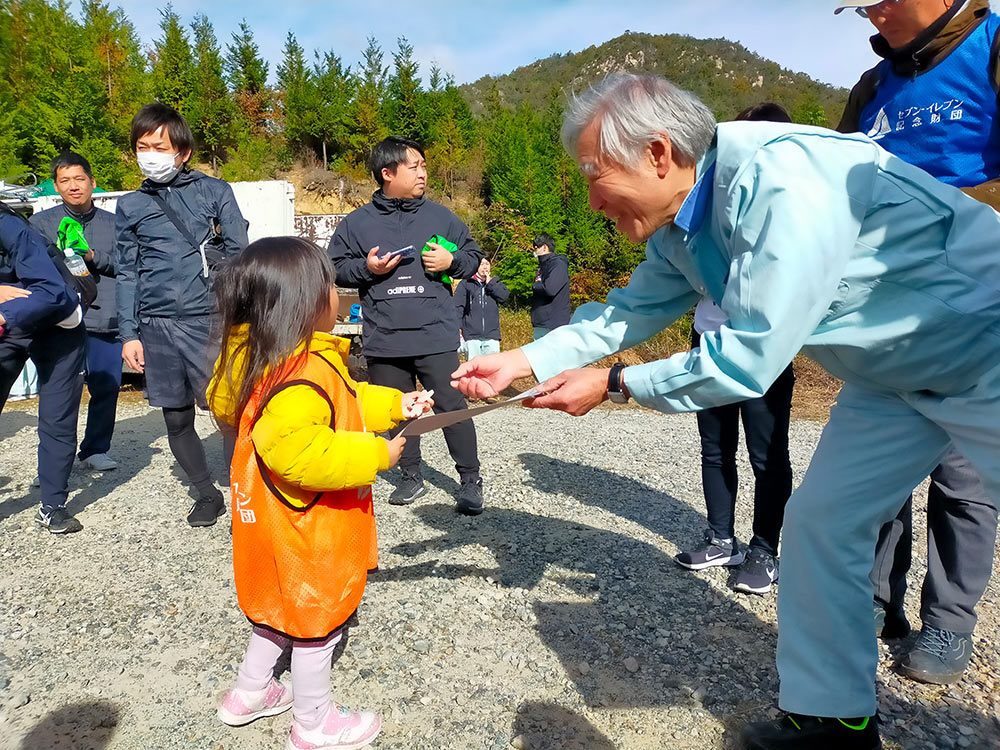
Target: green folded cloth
71	237
451	247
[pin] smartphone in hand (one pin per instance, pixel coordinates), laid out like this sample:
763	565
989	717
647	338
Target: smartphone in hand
403	251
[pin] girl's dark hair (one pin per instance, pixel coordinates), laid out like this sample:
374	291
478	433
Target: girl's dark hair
278	287
766	112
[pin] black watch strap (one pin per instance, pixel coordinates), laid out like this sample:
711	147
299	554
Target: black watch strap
615	379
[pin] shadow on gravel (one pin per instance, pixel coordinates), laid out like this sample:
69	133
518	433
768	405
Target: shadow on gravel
648	634
948	723
12	422
81	726
547	725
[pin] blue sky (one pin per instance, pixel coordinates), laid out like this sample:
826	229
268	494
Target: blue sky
472	39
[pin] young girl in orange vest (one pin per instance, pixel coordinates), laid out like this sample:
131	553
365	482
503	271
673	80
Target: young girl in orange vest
306	457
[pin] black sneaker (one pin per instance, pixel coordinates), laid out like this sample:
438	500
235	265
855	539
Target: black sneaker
206	509
757	572
410	488
890	624
470	497
939	656
57	521
797	732
714	552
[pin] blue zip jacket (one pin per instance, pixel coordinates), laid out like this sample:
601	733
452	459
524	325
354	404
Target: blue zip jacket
25	263
478	309
159	271
812	240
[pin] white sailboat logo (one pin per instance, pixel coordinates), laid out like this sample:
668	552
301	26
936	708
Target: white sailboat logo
881	126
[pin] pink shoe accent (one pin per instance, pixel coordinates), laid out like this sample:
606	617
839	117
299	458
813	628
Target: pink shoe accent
240	707
341	730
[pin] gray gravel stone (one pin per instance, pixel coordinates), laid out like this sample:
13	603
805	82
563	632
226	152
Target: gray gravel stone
470	633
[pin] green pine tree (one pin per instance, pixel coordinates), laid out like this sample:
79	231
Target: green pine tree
368	121
246	72
172	62
212	112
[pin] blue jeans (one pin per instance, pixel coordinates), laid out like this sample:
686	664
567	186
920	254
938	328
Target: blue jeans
104	379
476	347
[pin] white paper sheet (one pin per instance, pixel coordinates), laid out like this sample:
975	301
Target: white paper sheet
433	422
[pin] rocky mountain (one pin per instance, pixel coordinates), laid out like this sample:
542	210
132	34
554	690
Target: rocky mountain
727	76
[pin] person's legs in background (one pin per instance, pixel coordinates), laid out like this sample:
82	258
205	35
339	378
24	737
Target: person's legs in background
434	372
13	355
400	373
892	562
765	424
104	380
961	534
718	429
176	353
473	348
60	355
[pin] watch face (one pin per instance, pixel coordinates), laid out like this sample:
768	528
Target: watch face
617	398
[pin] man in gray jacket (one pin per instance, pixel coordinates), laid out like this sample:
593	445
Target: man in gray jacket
75	184
171	233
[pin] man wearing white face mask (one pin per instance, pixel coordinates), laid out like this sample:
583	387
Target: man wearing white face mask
170	235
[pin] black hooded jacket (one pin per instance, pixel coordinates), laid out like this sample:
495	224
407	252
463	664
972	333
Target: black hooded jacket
477	307
408	312
550	306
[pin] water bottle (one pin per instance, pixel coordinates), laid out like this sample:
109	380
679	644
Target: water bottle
76	265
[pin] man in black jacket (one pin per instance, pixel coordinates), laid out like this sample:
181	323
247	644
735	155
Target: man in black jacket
40	316
410	322
477	301
550	293
74	181
171	232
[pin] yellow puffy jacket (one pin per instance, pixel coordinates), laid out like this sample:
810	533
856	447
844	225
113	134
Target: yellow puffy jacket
293	435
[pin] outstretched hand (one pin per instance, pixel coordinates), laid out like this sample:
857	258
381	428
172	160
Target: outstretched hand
487	376
574	391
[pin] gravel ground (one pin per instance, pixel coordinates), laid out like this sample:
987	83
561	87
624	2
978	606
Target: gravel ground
557	619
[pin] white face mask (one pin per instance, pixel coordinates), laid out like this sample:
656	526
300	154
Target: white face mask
157	166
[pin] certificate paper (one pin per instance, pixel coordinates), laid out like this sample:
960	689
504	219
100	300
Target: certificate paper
433	422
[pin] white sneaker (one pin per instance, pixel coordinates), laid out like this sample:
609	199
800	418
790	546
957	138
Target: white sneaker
37	481
342	729
99	462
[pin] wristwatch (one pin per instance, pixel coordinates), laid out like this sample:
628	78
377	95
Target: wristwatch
617	392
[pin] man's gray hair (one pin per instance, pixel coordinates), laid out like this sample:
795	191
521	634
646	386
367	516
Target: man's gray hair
635	110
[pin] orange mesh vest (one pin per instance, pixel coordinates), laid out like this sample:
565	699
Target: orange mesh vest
301	558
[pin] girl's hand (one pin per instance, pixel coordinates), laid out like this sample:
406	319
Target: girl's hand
417	403
395	449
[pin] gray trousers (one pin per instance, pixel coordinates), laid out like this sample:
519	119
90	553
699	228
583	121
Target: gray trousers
961	533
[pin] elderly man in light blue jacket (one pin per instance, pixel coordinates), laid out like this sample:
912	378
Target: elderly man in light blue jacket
808	240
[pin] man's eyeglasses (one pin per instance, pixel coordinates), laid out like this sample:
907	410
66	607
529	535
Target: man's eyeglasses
864	12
